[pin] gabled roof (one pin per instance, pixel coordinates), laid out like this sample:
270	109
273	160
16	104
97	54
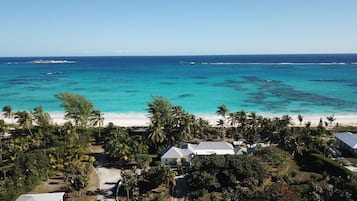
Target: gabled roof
173	152
189	146
42	197
348	138
214	145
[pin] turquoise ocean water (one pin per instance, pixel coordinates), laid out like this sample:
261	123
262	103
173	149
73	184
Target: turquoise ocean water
268	84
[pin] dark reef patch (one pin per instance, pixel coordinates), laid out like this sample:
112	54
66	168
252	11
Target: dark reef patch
167	83
287	94
200	77
184	96
9	94
236	85
78	89
201	83
173	78
34	88
338	81
354	84
131	91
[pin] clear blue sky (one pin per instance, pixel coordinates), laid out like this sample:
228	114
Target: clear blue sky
176	27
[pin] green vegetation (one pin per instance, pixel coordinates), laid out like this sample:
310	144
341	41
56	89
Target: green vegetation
294	167
214	172
78	109
171	125
37	149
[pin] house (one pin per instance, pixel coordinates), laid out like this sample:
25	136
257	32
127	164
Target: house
347	141
42	197
209	148
174	154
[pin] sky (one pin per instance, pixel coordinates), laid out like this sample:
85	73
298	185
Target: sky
176	27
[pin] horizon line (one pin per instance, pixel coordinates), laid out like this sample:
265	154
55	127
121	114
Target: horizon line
182	55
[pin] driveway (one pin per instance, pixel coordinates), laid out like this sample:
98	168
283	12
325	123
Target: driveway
108	176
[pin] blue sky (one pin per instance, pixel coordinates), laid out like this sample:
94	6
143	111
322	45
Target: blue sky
177	27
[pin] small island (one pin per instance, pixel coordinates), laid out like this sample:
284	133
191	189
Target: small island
40	61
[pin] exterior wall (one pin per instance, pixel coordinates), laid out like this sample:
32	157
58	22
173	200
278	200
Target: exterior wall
355	152
168	161
346	147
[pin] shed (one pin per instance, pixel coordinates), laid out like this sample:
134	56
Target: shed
42	197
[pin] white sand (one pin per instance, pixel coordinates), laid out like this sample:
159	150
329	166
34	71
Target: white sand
141	119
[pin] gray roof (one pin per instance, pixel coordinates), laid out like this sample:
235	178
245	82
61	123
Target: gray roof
173	152
348	138
214	145
42	197
188	149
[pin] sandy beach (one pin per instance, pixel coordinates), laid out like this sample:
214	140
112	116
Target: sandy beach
142	119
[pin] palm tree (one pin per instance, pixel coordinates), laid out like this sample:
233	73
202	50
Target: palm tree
42	119
220	123
186	127
97	119
70	132
222	111
232	118
118	149
286	120
162	120
168	175
331	119
2	132
7	112
242	121
157	135
24	119
300	118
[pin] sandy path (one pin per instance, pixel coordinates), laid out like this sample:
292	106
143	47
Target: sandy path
108	176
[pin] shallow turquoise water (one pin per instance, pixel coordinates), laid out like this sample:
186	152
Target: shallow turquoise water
266	84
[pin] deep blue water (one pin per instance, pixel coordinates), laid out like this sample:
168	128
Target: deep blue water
271	84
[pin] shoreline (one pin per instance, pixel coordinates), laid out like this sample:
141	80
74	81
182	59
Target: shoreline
142	119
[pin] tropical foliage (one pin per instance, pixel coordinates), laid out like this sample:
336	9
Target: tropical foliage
78	109
36	149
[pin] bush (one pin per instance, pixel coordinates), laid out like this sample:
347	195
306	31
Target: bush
293	174
351	187
273	156
321	164
216	171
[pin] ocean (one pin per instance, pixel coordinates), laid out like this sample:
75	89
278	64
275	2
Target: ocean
266	84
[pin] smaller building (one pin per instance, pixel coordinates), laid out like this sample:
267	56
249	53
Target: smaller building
347	141
42	197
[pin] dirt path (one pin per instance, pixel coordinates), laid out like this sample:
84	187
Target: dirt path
108	176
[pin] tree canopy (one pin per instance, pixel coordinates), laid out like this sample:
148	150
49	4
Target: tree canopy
77	108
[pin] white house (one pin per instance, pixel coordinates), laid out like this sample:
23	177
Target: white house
347	141
42	197
203	148
209	148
